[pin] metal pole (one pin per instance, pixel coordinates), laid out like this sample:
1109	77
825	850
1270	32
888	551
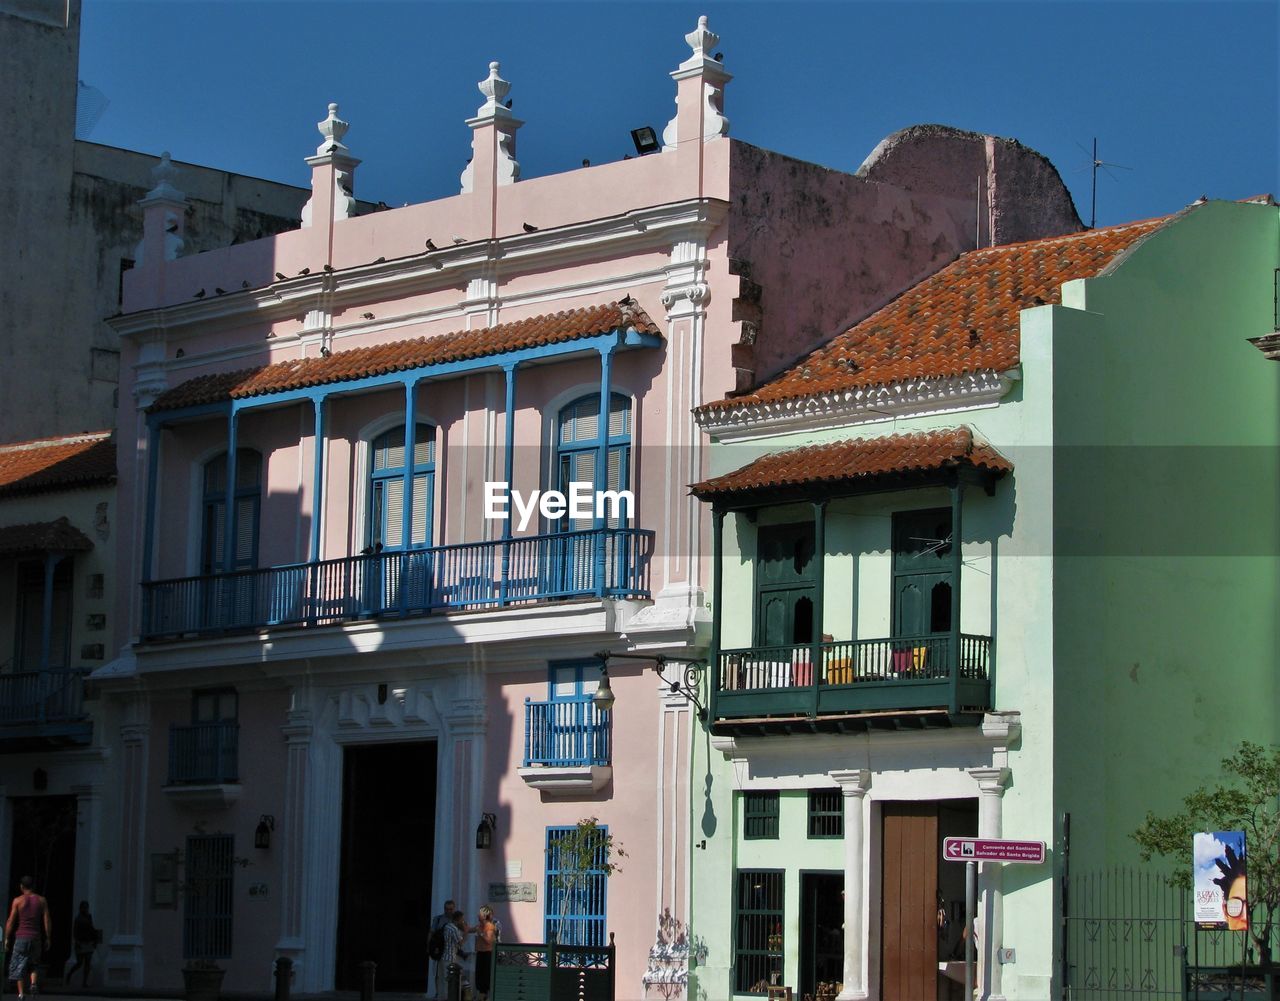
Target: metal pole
970	905
368	974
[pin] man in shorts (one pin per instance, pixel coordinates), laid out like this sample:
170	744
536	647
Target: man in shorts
29	931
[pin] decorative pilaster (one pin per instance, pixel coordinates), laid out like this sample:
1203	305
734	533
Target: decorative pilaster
333	169
164	217
124	956
854	784
88	841
493	138
297	730
991	786
700	82
465	726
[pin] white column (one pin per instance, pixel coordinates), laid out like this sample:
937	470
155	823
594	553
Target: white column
124	955
991	783
292	831
853	786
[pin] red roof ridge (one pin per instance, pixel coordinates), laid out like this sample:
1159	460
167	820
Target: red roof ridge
69	439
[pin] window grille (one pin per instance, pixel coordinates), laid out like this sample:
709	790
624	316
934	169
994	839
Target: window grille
826	813
760	815
758	936
207	880
575	914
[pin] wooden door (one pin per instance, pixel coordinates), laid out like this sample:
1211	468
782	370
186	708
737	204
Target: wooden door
909	911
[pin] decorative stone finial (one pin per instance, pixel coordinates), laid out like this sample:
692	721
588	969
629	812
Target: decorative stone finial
702	39
163	174
333	129
495	89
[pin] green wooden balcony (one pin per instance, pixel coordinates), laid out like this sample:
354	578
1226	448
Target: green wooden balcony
947	673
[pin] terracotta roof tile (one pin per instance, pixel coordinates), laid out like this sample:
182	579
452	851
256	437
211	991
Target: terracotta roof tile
43	537
400	356
961	320
858	458
55	463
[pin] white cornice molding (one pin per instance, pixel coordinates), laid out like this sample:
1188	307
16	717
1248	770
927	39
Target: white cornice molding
865	405
638	229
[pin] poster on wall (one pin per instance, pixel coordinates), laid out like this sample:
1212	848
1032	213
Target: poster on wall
1218	880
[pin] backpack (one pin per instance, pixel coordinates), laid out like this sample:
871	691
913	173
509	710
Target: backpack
435	944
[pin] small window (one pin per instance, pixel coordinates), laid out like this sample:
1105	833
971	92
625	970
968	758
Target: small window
214	707
208	871
826	813
575	913
760	815
757	939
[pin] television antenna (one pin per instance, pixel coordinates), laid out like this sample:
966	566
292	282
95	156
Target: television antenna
1095	163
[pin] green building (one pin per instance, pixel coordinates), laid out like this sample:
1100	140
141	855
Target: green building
1000	561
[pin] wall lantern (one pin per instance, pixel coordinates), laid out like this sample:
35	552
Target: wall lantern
484	833
262	836
686	685
646	140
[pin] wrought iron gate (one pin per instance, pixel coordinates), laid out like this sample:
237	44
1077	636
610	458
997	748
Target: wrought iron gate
1125	936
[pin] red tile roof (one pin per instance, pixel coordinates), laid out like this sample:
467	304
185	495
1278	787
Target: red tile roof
857	459
57	463
43	537
400	356
963	319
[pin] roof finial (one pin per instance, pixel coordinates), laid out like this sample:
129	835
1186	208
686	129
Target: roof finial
495	90
702	39
333	129
163	174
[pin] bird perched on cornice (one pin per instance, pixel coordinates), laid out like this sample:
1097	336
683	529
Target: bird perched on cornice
199	295
305	271
325	352
380	260
245	283
530	229
220	291
280	276
366	316
431	245
459	239
509	101
328	268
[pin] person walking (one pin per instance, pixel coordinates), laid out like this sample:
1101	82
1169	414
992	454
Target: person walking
438	924
30	932
486	935
85	938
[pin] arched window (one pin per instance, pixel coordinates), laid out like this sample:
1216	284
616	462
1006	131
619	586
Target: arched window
386	489
578	441
248	501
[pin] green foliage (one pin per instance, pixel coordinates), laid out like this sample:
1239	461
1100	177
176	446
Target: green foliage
1248	799
582	853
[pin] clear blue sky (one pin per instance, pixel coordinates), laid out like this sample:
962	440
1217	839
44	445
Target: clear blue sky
1185	94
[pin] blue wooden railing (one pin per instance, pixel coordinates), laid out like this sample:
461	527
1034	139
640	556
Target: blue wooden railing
564	734
204	753
608	562
54	696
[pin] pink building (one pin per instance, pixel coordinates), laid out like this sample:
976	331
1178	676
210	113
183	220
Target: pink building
332	695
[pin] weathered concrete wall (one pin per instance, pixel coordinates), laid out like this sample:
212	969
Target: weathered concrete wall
821	249
71	221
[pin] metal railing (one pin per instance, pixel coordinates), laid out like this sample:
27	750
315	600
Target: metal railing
948	671
608	562
564	734
848	662
204	753
53	696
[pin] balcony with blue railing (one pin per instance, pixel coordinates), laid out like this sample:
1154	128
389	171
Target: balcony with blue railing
204	763
599	563
903	680
567	746
43	707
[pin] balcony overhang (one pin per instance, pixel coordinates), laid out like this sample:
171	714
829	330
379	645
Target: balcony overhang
202	796
571	780
886	721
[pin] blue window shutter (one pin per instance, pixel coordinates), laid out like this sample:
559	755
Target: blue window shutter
584	920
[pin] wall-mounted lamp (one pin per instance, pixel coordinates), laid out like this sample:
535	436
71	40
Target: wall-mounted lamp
262	836
645	139
484	833
686	684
